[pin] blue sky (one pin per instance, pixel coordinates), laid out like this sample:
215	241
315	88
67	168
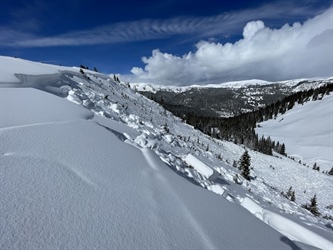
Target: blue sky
148	38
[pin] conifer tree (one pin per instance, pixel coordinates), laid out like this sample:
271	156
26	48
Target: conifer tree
313	206
290	192
293	197
283	149
245	162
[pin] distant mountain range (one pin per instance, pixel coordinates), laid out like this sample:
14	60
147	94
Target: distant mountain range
227	99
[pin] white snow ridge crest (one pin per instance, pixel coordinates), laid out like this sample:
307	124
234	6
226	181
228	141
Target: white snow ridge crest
88	163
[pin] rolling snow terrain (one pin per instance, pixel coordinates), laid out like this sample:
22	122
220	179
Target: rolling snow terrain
86	163
306	130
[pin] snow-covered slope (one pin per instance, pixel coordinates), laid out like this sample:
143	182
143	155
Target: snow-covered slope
306	130
112	172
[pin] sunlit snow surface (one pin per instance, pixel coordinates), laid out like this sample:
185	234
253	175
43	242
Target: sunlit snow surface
306	130
108	174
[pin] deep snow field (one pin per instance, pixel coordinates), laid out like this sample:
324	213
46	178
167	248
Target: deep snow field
87	163
307	131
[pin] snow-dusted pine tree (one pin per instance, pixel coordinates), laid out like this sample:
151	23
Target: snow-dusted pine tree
313	206
245	162
283	149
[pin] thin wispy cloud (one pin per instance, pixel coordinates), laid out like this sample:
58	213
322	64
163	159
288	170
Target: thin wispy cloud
150	29
24	18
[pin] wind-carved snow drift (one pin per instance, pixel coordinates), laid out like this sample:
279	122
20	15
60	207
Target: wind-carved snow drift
113	173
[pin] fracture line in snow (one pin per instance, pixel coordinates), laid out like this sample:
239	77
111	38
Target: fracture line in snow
39	124
77	173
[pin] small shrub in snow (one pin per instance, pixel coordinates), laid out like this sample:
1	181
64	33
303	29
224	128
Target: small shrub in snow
312	207
330	172
316	167
329	206
166	128
328	217
290	194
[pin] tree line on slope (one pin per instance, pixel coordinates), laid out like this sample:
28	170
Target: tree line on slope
241	129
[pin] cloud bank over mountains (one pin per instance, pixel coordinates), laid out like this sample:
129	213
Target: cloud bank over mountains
292	51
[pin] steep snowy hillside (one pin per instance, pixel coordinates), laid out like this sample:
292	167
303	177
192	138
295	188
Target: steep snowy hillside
306	130
85	162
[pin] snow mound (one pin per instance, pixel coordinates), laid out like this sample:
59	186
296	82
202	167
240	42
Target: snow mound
285	226
201	167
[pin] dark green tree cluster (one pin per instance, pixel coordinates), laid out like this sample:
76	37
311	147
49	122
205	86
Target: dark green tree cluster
265	145
116	78
83	67
86	67
241	129
316	167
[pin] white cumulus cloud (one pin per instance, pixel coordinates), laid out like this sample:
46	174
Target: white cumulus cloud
252	28
292	51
